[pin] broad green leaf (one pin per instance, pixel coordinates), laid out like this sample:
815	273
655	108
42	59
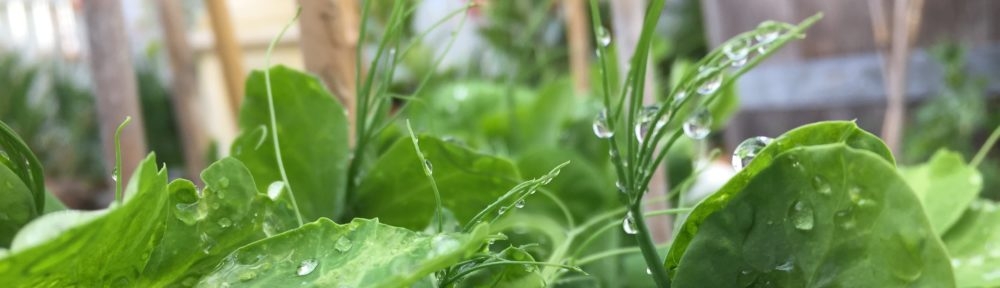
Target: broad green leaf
820	216
17	206
974	245
202	228
506	275
397	191
363	253
111	249
945	186
312	130
845	132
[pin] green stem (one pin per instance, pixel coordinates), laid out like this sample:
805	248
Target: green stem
648	248
274	121
612	253
992	140
117	173
424	163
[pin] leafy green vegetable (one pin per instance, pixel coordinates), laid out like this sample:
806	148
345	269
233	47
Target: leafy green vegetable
945	186
397	191
313	128
202	228
109	250
813	134
818	216
363	253
507	274
18	158
974	245
17	207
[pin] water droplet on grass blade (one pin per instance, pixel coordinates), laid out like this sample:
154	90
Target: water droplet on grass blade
628	224
737	52
343	244
225	222
603	36
747	151
710	86
307	266
802	216
647	118
601	128
698	125
519	203
428	167
679	99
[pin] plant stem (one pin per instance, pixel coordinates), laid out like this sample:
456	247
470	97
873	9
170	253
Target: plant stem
648	248
274	122
117	173
992	140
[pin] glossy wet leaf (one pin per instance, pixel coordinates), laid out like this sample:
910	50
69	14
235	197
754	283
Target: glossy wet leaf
974	245
17	206
867	230
312	129
945	186
111	249
845	132
397	191
19	159
202	228
363	253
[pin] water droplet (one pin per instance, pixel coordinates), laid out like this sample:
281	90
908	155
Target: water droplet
503	209
428	167
747	151
519	203
620	186
223	182
603	36
787	266
343	244
698	125
114	175
821	185
187	212
737	51
711	85
844	219
628	224
601	128
649	272
225	222
307	266
679	99
206	243
802	216
247	275
647	116
766	33
274	190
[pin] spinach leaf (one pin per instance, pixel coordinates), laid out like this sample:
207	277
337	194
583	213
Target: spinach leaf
17	207
818	216
945	186
202	228
974	245
363	253
398	192
312	128
112	249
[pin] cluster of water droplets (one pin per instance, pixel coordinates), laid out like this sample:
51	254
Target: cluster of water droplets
738	52
747	151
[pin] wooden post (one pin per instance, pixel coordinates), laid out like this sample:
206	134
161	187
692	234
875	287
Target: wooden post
184	92
906	16
329	41
115	87
578	38
228	50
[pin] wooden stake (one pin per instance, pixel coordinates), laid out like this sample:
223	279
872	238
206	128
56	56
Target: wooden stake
184	92
228	49
329	41
115	87
578	38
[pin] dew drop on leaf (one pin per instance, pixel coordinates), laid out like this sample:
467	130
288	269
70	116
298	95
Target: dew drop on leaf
519	203
274	190
343	244
679	99
698	125
767	33
503	209
787	266
603	36
620	186
601	128
307	266
247	275
802	216
114	175
647	117
747	151
711	85
737	51
223	182
628	224
821	185
225	222
649	272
